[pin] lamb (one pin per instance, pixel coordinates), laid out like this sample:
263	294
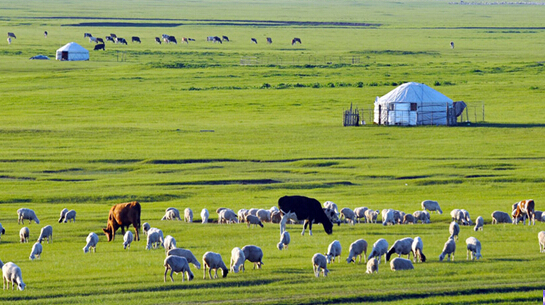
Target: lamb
36	251
29	214
92	241
70	216
169	243
388	217
380	247
253	254
188	215
473	246
417	247
204	215
423	216
237	260
348	215
408	218
284	240
454	230
11	273
448	249
431	206
253	220
177	264
333	251
356	249
372	266
211	261
127	239
360	213
479	223
187	254
319	261
24	233
501	217
227	216
264	215
371	216
154	239
401	247
541	239
400	263
63	213
47	232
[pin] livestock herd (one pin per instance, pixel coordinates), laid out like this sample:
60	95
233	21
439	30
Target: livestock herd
297	210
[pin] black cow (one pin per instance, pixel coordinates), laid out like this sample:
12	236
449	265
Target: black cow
295	40
136	39
254	40
45	34
100	40
110	38
303	208
87	35
217	39
172	39
120	40
225	38
269	40
158	40
113	35
100	47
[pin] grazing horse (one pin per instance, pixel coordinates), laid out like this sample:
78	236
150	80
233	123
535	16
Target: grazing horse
85	35
158	40
254	40
524	209
269	40
100	47
136	39
295	40
225	38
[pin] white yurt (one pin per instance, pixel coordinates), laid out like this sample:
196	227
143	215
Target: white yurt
414	104
72	51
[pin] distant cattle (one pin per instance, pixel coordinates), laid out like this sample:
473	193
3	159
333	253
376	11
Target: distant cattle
524	209
158	40
217	39
45	34
165	37
87	35
295	40
110	38
452	44
123	215
172	39
184	40
99	40
92	39
120	40
100	47
269	40
303	208
135	39
210	38
9	40
254	40
190	39
113	35
225	38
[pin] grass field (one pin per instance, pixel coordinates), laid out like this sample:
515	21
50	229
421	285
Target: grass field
188	126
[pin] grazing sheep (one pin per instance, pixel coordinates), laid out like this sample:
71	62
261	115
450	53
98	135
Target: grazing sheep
448	249
401	247
160	232
92	241
372	265
29	214
333	251
360	213
253	254
188	215
177	264
187	254
36	251
146	227
423	216
501	217
127	239
356	249
371	216
479	223
237	260
70	216
11	273
332	216
348	215
458	216
284	240
218	210
154	240
204	215
211	261
388	217
398	216
331	205
454	230
319	261
400	263
380	247
242	215
63	213
169	243
431	206
227	216
538	215
47	232
253	220
24	234
170	215
253	211
264	215
417	247
408	218
467	219
276	217
473	246
541	239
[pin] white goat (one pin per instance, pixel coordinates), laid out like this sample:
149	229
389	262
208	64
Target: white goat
372	265
401	247
285	240
473	246
253	254
127	239
479	223
36	251
11	273
380	247
47	232
187	254
454	230
333	251
319	263
204	216
431	206
188	215
400	263
356	249
92	241
237	260
211	261
24	213
448	249
177	264
417	248
24	234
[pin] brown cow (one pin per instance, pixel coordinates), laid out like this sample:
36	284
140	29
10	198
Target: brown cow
122	215
524	209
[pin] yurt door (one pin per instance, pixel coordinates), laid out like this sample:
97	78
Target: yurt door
64	55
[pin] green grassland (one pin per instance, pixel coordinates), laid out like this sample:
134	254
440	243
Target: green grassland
188	126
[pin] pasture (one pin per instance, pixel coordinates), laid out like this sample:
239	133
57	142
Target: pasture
187	126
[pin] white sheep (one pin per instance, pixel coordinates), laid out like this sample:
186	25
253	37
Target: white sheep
264	215
47	232
211	261
227	216
388	217
417	248
285	240
177	264
448	249
127	239
145	227
237	260
454	230
473	246
479	223
400	263
398	216
431	206
458	216
36	251
204	215
242	215
360	213
333	251
319	263
24	234
252	211
371	216
423	216
409	218
11	273
501	217
187	254
169	243
276	217
154	239
348	215
24	213
372	266
253	254
253	220
171	214
188	215
356	249
331	205
541	239
63	213
92	241
176	213
70	216
400	247
467	219
380	247
157	241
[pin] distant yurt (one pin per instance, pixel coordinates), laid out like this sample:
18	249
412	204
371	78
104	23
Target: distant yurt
72	51
414	104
